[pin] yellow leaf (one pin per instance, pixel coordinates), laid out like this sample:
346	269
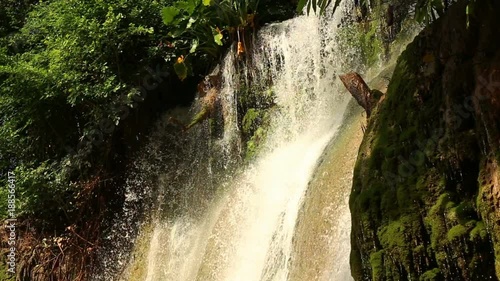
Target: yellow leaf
241	49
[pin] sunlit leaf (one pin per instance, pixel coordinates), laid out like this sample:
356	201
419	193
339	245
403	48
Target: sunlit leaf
301	5
190	23
218	39
324	4
317	6
207	2
194	45
469	11
168	14
181	70
188	6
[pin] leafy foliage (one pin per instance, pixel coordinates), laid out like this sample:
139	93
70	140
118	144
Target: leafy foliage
68	69
316	6
199	27
428	10
12	15
425	10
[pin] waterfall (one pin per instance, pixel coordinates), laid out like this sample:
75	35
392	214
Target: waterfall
216	217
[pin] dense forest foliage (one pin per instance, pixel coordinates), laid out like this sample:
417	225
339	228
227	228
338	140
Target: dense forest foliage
73	70
72	73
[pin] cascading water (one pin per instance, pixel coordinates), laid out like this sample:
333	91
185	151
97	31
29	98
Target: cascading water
220	221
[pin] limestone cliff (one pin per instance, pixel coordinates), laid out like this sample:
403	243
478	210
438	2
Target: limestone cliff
425	200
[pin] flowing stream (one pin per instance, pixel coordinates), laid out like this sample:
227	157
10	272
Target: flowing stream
217	217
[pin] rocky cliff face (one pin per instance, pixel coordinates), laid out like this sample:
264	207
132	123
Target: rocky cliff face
425	200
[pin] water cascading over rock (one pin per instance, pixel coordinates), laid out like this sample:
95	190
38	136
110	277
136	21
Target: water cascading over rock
222	218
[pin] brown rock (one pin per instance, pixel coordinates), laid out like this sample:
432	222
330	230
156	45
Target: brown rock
359	90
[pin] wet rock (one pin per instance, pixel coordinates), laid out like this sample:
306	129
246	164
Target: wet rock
359	90
424	200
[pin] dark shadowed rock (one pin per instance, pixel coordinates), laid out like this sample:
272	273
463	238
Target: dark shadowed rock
425	197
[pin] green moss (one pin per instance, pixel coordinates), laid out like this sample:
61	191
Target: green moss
404	197
419	250
432	275
425	214
251	120
257	103
457	232
255	97
137	269
4	274
443	203
393	235
408	134
448	206
200	116
387	205
369	200
436	220
441	257
365	39
377	265
253	143
462	213
479	232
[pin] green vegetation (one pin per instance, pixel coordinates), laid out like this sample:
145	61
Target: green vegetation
377	265
316	6
198	28
71	75
420	184
258	107
425	10
73	72
431	275
366	39
66	75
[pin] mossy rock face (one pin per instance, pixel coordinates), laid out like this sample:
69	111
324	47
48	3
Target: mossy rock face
251	121
426	191
257	104
431	275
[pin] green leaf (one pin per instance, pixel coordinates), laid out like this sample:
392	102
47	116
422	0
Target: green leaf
168	14
190	23
181	70
194	45
438	6
301	5
188	6
218	39
207	2
176	33
318	6
469	11
335	6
